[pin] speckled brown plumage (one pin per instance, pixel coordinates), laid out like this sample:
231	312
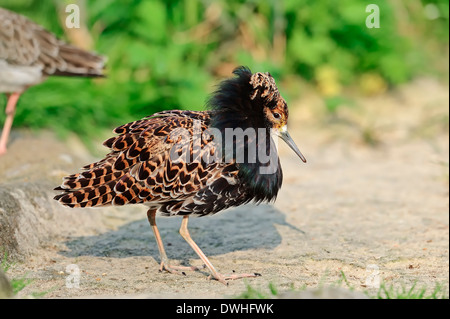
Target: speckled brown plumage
24	43
139	170
172	162
29	54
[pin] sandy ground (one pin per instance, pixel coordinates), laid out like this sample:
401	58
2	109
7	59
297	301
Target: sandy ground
372	202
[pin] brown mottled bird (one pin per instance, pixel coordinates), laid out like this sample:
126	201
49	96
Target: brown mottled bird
29	54
184	162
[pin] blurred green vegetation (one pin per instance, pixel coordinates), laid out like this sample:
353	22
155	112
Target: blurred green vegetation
170	54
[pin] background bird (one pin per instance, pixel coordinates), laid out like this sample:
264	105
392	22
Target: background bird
173	163
29	54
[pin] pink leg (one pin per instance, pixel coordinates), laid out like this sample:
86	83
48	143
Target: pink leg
165	265
10	111
214	274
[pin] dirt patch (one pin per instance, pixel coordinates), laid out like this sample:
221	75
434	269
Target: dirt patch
372	202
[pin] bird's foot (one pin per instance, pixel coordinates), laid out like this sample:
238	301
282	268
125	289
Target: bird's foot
179	270
2	150
223	278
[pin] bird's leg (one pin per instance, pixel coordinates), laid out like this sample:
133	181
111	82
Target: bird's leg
10	111
219	277
151	214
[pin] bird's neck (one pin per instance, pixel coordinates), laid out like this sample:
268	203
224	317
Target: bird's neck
234	113
248	143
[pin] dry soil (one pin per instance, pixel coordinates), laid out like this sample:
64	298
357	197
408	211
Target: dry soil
372	203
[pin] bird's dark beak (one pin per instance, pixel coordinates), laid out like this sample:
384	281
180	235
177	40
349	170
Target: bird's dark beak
284	134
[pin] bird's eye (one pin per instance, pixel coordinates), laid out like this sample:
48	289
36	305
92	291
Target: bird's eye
276	115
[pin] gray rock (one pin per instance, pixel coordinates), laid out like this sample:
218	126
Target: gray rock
31	219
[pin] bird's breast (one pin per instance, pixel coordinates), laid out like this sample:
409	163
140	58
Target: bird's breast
16	78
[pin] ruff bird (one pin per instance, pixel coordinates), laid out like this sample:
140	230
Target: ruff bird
193	163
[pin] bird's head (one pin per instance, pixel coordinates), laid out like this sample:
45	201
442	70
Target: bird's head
265	94
252	100
275	111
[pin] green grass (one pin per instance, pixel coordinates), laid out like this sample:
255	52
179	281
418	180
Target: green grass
193	44
17	284
253	293
414	292
384	291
